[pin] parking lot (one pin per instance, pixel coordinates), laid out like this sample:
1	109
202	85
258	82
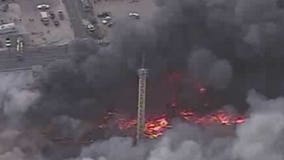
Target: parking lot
124	10
27	17
121	8
28	21
50	34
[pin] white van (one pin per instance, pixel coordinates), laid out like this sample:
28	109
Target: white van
44	18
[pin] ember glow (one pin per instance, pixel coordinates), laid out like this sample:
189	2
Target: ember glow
156	126
219	117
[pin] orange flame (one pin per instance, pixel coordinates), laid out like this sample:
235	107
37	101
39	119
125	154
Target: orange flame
155	127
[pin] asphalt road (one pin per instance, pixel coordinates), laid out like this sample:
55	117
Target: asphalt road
76	14
9	61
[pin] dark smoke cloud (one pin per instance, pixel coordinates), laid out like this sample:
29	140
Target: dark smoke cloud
17	140
210	70
220	38
229	45
68	127
74	86
15	95
220	74
258	139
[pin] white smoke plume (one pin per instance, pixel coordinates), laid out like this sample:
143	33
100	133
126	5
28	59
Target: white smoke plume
16	94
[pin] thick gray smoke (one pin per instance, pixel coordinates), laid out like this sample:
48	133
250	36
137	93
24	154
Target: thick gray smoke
210	70
260	138
68	127
16	94
17	141
221	44
229	46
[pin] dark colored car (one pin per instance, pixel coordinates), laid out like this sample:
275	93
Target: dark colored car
5	8
52	15
56	23
104	14
60	15
110	24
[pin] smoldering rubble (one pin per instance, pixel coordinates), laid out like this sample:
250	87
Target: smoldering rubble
230	46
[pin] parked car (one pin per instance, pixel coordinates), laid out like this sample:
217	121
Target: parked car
51	15
61	15
103	43
91	27
56	23
104	14
8	42
110	24
43	6
44	18
106	20
134	15
5	8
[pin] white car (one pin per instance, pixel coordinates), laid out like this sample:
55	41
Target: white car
43	6
134	14
106	20
91	27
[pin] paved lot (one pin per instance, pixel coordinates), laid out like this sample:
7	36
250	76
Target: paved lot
75	11
45	55
26	16
33	56
12	16
121	8
46	35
